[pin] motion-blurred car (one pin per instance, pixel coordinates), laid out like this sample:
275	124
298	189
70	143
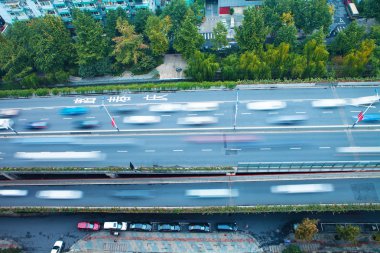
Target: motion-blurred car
73	111
198	120
288	119
84	225
226	227
169	227
200	227
86	124
140	227
9	113
212	193
58	247
201	106
113	225
369	118
59	194
6	124
363	101
166	108
37	125
302	188
13	193
127	109
142	119
266	105
328	103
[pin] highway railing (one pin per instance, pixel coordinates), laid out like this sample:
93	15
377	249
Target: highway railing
310	166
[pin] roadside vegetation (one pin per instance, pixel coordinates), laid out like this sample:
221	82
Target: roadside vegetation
283	40
306	230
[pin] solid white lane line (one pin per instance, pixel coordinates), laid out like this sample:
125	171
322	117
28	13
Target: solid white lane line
150	150
67	118
206	149
296	148
324	147
177	150
265	148
122	151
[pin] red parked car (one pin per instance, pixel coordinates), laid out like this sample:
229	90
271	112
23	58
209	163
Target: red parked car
95	226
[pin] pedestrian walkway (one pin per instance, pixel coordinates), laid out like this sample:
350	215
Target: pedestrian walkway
8	244
149	242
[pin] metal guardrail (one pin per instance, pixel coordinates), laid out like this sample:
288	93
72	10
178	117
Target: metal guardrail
311	166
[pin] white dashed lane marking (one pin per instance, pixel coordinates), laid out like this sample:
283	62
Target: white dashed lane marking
177	150
150	150
206	149
295	148
67	118
265	148
324	147
122	151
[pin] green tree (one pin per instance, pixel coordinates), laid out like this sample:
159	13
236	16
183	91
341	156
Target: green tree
220	36
140	19
253	67
292	249
316	59
310	15
129	47
372	9
52	45
306	230
252	33
286	34
375	34
176	10
348	39
278	58
157	30
230	67
110	22
375	62
91	46
355	63
202	67
187	39
348	233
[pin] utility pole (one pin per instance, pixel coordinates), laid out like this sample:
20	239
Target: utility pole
236	108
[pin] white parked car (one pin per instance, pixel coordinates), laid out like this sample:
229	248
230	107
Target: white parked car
114	225
58	247
266	105
199	120
142	119
59	194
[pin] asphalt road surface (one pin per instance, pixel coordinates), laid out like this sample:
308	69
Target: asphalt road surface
336	191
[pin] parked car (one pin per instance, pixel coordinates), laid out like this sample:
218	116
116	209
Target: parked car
58	247
72	111
84	225
86	124
8	113
140	227
169	227
226	227
36	125
115	225
200	227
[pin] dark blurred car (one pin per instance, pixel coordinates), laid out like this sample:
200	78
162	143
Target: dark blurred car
288	119
127	109
36	125
84	225
169	227
72	111
226	227
200	227
140	227
86	124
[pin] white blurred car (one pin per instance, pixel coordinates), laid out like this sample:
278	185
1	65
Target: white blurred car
201	106
9	113
166	108
266	105
142	119
213	193
59	194
364	100
6	124
302	188
329	103
13	193
199	120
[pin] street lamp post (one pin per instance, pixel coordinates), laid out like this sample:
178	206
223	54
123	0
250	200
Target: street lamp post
113	122
236	107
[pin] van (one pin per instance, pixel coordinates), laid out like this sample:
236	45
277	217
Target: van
114	225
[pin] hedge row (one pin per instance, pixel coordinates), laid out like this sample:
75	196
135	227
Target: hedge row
200	210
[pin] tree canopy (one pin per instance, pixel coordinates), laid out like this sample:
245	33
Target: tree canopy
306	230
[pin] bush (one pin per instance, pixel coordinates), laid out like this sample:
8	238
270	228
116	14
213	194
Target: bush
306	230
376	237
348	233
292	249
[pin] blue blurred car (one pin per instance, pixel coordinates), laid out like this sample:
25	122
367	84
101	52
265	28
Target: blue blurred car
369	118
71	111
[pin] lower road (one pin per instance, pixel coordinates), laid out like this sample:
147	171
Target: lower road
165	194
192	149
